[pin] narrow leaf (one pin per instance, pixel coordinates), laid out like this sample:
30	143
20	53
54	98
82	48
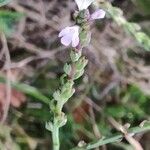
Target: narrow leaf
29	90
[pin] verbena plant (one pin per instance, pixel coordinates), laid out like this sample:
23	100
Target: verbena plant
78	36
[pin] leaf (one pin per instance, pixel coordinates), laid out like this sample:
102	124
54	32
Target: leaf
116	111
29	90
4	2
7	20
32	91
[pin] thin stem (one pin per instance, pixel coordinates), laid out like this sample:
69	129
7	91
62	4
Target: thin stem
73	71
55	137
114	138
8	75
59	106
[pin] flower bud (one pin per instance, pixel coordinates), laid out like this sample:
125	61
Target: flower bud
57	95
80	65
67	69
75	56
78	74
49	126
61	120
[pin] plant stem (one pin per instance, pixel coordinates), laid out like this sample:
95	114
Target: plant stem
72	71
8	82
55	137
114	138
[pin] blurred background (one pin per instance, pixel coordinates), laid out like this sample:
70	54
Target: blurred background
116	84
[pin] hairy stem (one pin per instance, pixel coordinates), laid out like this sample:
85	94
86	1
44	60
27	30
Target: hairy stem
59	107
72	71
55	137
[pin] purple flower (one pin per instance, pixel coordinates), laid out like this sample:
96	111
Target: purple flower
98	14
70	35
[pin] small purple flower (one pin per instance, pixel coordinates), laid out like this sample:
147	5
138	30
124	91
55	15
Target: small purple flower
98	14
70	35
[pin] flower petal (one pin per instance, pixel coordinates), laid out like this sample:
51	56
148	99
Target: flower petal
70	34
98	14
75	40
63	32
83	4
66	40
75	37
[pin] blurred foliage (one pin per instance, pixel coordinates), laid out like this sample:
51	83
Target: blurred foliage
132	28
29	90
132	106
4	2
7	20
143	5
6	141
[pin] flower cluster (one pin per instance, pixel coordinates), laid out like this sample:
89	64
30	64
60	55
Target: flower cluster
70	35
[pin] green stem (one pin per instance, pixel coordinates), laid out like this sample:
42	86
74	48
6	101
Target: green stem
114	138
55	137
73	71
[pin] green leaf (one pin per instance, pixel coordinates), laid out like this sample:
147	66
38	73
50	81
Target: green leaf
7	20
29	90
116	111
4	2
32	91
